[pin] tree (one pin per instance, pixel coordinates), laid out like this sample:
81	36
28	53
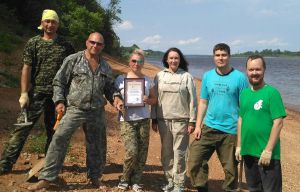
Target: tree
77	23
78	18
111	17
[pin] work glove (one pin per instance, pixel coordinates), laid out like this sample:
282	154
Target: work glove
265	158
24	99
238	153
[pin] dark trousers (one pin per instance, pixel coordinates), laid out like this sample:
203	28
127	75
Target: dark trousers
39	103
200	152
259	178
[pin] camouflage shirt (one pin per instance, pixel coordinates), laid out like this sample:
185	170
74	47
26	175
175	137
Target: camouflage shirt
76	85
45	58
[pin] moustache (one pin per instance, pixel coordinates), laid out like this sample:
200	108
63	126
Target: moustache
255	76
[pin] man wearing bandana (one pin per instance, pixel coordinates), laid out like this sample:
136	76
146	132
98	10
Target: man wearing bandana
42	57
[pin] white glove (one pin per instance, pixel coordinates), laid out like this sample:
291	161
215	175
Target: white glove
238	153
24	99
265	158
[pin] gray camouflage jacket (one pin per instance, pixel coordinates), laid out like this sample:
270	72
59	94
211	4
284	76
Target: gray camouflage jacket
75	84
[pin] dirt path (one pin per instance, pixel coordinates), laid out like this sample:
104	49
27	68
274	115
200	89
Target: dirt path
73	175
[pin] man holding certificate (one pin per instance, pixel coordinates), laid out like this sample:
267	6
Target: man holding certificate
138	93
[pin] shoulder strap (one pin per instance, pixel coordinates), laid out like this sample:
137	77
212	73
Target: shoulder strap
34	68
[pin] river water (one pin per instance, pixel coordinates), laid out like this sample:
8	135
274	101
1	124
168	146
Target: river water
282	72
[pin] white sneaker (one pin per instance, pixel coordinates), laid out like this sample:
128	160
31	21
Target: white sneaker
168	187
178	189
137	188
123	185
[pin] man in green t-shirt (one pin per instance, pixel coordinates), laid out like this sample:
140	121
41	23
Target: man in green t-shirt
260	122
42	57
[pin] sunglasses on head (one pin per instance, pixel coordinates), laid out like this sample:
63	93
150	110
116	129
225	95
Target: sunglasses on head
96	43
137	61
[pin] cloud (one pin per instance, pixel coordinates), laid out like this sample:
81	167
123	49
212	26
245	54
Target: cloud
189	41
125	25
155	39
272	42
236	42
195	1
268	12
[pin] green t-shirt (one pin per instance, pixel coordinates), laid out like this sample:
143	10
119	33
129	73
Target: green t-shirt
45	58
258	109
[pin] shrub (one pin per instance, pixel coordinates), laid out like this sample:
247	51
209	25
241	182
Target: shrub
8	42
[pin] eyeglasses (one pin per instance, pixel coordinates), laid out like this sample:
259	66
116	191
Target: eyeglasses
96	43
141	61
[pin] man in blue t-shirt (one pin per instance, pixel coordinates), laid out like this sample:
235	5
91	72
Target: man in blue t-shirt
216	125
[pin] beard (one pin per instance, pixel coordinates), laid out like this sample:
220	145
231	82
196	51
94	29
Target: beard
50	32
255	81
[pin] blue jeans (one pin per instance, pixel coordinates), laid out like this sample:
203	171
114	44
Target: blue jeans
266	179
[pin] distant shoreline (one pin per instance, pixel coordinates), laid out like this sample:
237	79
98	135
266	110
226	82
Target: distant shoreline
233	55
288	107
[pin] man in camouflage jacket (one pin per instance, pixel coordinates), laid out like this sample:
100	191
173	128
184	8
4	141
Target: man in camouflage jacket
43	55
79	89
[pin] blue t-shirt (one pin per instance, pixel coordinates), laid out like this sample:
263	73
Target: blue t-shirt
222	93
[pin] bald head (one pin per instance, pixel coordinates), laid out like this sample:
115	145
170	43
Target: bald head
94	43
96	35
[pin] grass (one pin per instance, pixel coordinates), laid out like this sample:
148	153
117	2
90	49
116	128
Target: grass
9	41
8	62
73	158
36	142
8	80
37	139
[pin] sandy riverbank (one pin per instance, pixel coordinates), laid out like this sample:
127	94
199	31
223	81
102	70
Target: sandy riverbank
73	175
290	137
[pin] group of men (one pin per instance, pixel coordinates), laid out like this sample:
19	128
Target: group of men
54	79
238	121
233	119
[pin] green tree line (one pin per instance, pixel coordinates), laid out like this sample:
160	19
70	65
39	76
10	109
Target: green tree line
78	18
271	53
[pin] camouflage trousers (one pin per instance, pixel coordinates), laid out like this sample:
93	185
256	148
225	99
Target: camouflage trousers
104	144
94	128
135	135
174	145
39	103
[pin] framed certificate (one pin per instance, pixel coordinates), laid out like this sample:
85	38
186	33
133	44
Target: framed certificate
134	91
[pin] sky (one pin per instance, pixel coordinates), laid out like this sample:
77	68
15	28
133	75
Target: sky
195	26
